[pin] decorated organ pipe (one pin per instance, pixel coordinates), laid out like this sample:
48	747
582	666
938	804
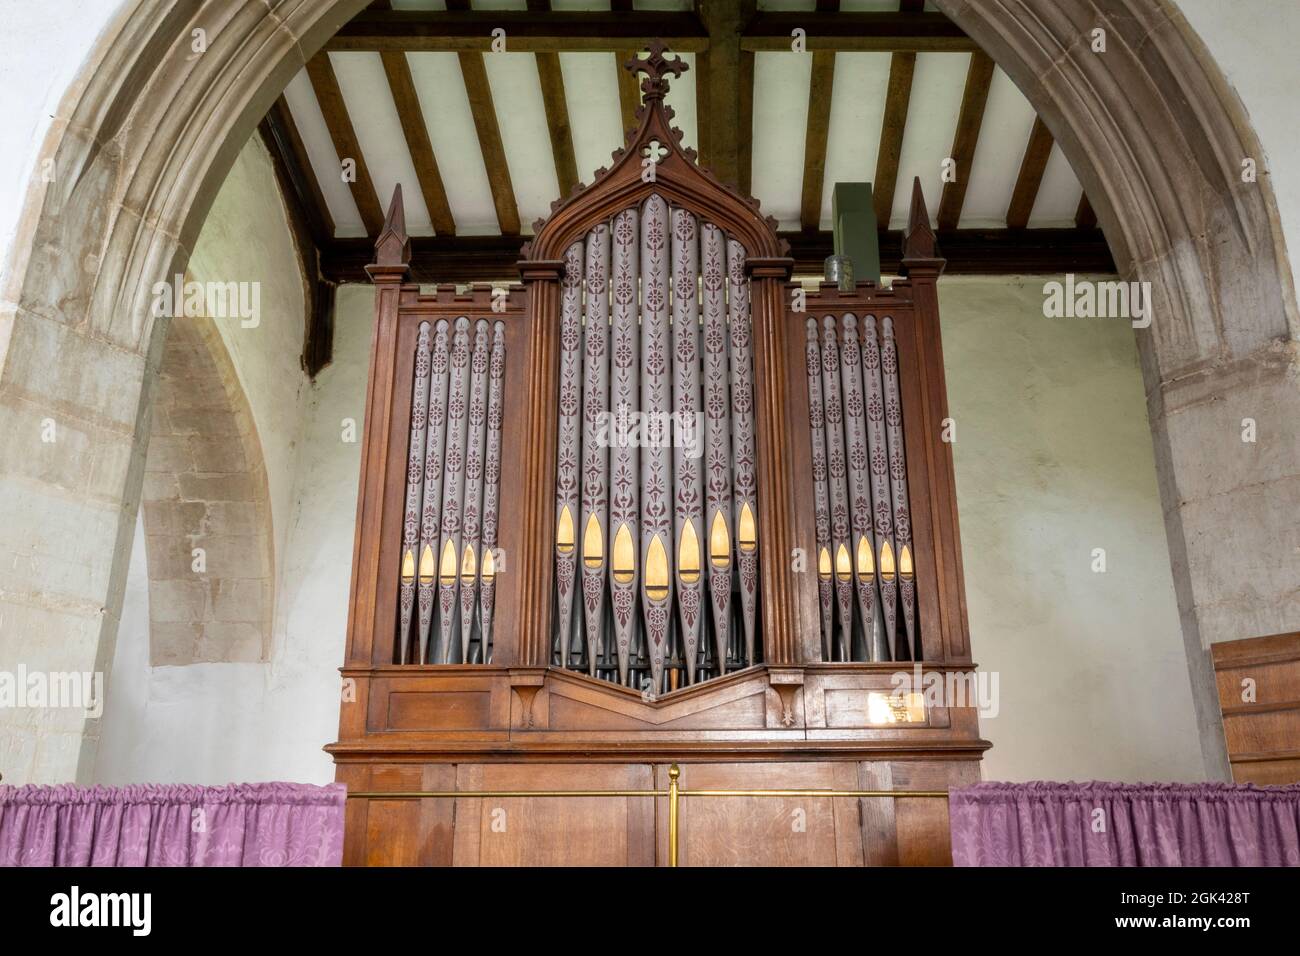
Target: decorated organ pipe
688	496
898	483
414	489
717	437
625	480
742	440
864	570
656	454
453	490
821	493
595	440
841	541
476	440
882	507
566	474
488	568
431	509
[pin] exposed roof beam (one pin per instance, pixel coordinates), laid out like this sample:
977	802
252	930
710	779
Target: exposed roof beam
1031	175
966	138
968	251
556	106
298	182
819	124
722	113
464	30
310	227
417	142
1084	216
897	97
335	111
879	32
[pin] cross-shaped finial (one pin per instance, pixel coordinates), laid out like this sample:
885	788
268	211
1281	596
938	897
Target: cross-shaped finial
656	68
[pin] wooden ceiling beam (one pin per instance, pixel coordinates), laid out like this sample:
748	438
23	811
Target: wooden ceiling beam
818	132
461	30
966	138
968	252
556	105
298	180
1030	178
723	108
876	32
418	143
898	96
484	110
330	97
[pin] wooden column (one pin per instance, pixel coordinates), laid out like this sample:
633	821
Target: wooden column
922	265
776	536
369	641
537	483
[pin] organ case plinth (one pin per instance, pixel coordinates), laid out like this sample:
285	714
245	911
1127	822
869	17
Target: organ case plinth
656	503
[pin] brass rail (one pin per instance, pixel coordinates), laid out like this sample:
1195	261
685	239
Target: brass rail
674	793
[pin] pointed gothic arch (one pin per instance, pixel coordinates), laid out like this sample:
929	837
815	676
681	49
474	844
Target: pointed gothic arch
149	130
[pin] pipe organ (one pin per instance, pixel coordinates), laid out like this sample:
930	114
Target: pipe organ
707	518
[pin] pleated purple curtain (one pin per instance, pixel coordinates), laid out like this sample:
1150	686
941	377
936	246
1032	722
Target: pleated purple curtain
1115	824
261	824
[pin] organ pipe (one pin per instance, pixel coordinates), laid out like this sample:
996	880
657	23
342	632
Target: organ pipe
864	570
821	493
742	440
475	442
879	468
595	447
688	497
656	455
717	436
841	543
625	485
453	489
566	475
491	490
431	510
414	488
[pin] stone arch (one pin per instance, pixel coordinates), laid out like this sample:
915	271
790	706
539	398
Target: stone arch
150	129
206	505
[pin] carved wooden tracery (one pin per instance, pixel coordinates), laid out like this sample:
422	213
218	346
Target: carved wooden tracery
530	588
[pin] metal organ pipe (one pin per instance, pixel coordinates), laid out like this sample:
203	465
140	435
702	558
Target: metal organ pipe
742	440
473	524
717	436
625	485
566	475
431	509
688	498
595	447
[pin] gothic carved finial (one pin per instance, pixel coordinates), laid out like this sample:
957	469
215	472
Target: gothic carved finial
657	69
918	239
393	247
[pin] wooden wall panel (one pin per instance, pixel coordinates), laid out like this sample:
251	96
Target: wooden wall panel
554	831
1259	696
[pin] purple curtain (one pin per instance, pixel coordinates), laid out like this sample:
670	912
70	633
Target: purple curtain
258	824
1117	824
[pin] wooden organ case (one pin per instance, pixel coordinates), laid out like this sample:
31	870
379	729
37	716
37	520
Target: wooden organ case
657	504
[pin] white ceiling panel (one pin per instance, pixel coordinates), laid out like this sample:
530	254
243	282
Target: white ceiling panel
324	160
441	90
781	85
369	100
521	114
857	113
1004	134
595	116
1059	194
937	86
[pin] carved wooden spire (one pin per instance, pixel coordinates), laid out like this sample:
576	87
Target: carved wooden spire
393	247
918	239
657	69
